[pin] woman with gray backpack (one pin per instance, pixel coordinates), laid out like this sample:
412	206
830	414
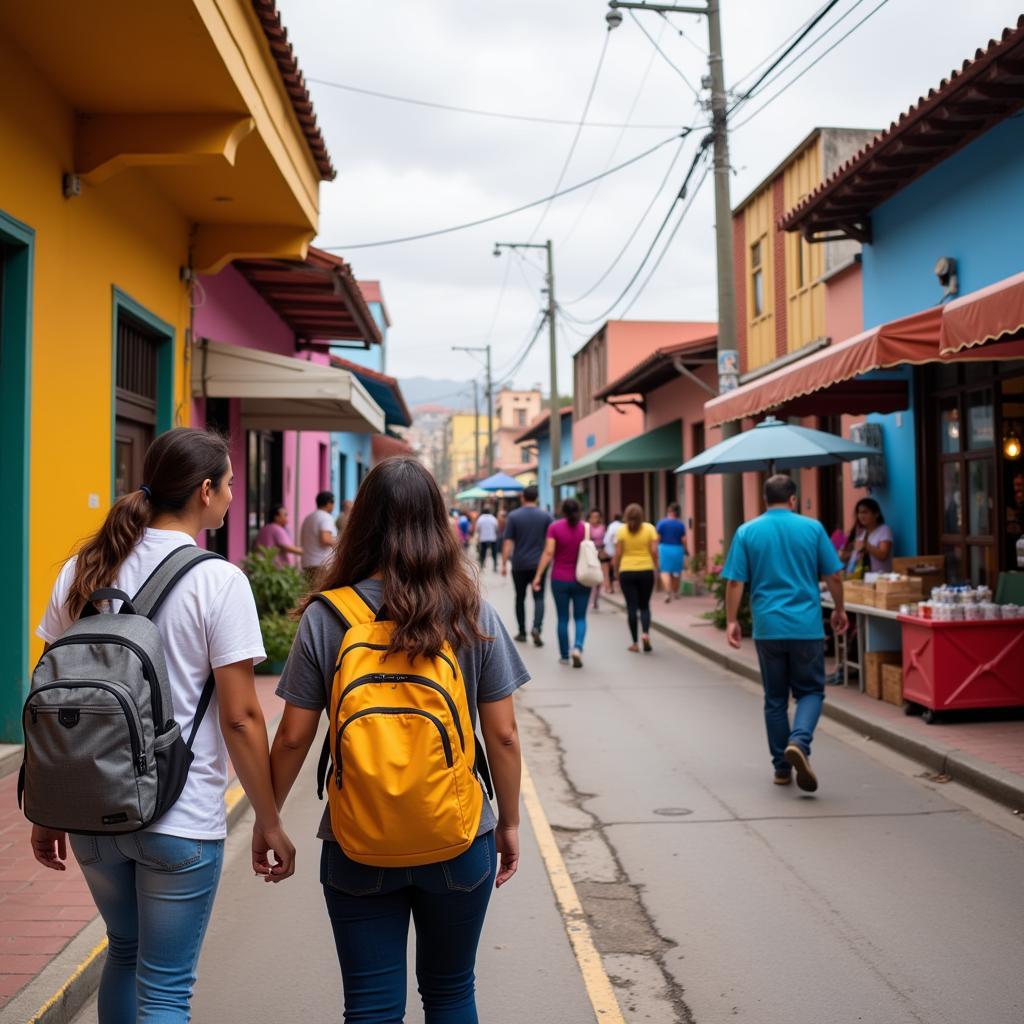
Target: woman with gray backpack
119	750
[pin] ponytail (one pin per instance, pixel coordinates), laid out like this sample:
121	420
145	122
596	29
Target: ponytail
572	511
176	465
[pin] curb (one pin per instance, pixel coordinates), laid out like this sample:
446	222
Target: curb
998	784
67	983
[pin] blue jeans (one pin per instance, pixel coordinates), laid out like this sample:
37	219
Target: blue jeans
564	593
155	893
796	666
370	908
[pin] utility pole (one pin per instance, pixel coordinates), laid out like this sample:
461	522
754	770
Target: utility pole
555	426
486	349
728	357
476	429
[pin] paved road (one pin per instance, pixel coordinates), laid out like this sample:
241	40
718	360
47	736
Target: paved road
712	895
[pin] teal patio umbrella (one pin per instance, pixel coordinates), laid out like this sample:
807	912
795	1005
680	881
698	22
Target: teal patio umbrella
774	445
501	482
472	494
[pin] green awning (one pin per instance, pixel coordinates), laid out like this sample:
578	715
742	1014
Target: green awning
660	448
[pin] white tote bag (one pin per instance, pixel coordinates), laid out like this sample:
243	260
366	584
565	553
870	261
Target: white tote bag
588	565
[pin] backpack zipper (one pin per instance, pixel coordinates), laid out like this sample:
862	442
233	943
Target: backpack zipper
401	677
383	647
138	757
445	742
148	669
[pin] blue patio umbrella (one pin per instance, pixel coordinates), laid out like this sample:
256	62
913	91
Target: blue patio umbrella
501	482
774	445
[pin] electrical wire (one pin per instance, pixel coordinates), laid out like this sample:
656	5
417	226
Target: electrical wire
664	56
771	99
518	209
501	299
700	49
478	112
509	374
576	136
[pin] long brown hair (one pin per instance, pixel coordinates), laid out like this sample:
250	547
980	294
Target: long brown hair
572	511
398	528
634	516
176	465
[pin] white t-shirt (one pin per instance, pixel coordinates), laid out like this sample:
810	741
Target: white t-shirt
209	620
487	528
609	537
313	552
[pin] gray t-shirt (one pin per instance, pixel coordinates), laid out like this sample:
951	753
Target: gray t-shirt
527	528
492	669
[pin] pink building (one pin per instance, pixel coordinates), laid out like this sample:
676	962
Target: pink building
261	372
513	412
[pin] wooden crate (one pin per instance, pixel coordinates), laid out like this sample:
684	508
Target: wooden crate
858	592
874	662
892	599
892	684
930	569
914	584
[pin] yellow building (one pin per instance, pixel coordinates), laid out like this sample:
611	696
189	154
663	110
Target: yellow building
465	435
142	143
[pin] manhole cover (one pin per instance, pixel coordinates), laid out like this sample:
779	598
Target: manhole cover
673	812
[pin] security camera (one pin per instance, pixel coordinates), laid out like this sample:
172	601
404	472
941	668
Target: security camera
614	18
945	271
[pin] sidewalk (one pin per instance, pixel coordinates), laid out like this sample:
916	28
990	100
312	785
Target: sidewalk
42	912
985	755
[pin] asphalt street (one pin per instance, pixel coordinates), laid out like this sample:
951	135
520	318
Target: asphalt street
711	894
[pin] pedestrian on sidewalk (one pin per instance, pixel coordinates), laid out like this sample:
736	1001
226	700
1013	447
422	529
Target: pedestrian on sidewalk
317	536
155	888
671	549
781	555
526	530
868	546
486	530
636	565
608	552
597	532
561	549
398	559
274	534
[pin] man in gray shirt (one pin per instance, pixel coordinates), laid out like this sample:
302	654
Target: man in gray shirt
526	530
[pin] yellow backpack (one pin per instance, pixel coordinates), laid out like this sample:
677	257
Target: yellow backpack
404	787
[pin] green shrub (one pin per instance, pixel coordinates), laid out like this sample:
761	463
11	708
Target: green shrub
276	588
278	635
716	587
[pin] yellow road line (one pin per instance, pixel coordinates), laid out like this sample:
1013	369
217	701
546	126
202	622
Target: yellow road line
97	950
598	985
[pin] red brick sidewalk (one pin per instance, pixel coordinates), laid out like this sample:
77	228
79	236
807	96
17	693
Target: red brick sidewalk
42	910
998	742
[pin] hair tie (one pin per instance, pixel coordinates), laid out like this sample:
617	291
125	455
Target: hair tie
147	492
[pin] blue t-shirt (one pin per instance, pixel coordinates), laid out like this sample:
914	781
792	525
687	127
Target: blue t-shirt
781	556
671	531
527	528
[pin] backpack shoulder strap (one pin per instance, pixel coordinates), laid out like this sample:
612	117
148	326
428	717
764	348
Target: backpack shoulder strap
165	576
349	605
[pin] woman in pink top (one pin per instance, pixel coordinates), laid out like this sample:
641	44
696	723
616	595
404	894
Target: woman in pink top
560	549
597	531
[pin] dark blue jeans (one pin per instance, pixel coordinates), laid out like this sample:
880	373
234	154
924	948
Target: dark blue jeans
797	667
370	908
566	593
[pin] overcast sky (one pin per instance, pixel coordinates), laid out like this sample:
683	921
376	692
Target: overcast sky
405	169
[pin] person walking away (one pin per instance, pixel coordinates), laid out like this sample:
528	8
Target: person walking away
274	534
346	507
608	552
465	528
781	556
155	888
671	550
561	549
597	532
868	545
502	520
398	553
317	535
487	537
636	565
526	530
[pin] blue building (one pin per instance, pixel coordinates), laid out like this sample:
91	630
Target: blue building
538	434
937	201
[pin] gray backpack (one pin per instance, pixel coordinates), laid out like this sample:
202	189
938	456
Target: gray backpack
103	753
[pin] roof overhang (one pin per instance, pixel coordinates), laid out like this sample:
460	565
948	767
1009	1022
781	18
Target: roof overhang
384	390
281	393
992	314
318	298
985	91
540	427
661	367
661	448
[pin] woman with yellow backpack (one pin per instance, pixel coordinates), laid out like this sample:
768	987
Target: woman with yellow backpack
403	655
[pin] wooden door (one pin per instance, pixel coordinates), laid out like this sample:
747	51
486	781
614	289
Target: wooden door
131	439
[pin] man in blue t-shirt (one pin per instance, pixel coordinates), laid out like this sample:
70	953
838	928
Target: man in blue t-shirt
526	530
781	556
671	549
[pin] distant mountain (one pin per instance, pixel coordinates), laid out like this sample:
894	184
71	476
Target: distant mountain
455	394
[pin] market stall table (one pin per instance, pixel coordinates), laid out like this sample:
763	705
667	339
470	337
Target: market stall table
877	630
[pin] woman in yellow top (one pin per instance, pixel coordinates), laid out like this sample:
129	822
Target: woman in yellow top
636	563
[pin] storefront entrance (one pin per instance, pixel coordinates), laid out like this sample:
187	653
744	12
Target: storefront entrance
264	479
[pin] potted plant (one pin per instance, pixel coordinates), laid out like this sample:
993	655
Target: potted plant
716	587
276	589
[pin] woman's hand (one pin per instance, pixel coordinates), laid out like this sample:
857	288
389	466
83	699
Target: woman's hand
536	584
263	841
506	842
50	847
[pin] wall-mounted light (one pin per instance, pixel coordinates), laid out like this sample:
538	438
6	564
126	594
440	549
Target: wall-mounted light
71	185
945	271
1011	444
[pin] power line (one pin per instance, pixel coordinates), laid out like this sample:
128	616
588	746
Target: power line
771	99
517	209
700	49
664	56
475	111
576	136
508	375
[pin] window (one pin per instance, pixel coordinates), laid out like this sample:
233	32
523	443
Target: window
757	277
525	454
520	417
